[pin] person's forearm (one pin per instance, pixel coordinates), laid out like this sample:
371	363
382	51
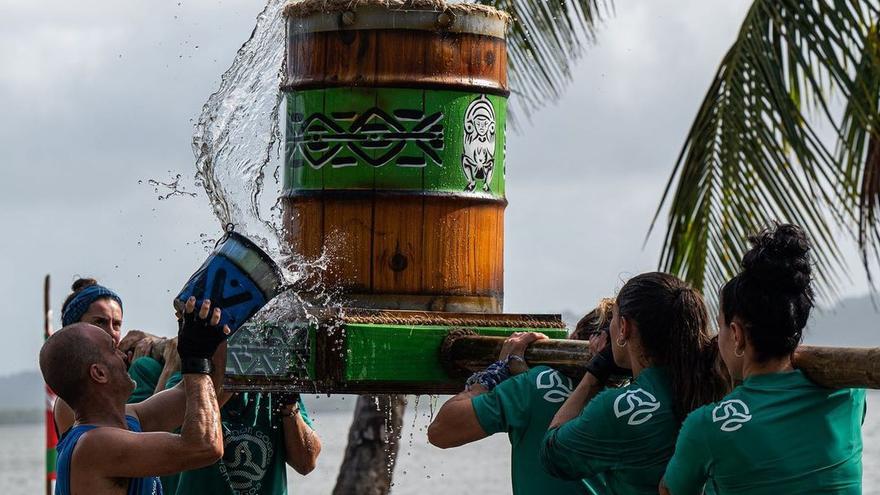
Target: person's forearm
201	431
218	361
456	422
301	443
588	387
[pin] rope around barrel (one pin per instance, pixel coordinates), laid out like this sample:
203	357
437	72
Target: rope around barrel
305	8
439	320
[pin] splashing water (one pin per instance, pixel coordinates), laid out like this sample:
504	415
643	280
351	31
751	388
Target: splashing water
236	140
236	143
169	189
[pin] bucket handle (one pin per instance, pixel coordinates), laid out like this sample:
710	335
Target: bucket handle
227	229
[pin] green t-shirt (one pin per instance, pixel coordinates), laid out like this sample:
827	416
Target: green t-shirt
775	434
253	460
623	437
523	406
145	372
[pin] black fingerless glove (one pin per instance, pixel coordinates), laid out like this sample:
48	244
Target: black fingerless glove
602	365
197	340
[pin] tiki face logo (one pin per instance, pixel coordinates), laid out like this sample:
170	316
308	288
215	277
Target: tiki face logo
638	404
246	458
559	386
478	156
732	413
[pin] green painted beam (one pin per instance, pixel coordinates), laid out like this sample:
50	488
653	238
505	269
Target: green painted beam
358	351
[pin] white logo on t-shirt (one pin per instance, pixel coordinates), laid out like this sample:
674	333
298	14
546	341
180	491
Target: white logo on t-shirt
734	413
560	386
638	403
246	458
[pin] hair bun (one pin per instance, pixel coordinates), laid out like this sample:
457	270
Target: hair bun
780	258
82	283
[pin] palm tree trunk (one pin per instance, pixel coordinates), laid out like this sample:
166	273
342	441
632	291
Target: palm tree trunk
373	442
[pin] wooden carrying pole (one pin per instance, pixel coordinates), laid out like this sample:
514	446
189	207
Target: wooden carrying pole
832	367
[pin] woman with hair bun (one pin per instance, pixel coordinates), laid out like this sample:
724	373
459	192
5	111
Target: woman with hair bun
620	439
95	304
777	432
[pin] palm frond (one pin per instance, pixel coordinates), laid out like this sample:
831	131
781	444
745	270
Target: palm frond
859	151
753	153
546	37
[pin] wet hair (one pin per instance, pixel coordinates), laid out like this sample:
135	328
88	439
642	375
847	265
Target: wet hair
673	327
595	321
78	286
65	359
772	296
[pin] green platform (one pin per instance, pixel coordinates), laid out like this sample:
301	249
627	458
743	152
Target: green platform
360	351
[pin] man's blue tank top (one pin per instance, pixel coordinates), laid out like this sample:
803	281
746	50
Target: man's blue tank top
136	486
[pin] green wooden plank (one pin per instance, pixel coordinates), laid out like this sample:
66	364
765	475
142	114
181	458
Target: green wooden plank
345	110
299	173
405	353
456	105
499	179
403	169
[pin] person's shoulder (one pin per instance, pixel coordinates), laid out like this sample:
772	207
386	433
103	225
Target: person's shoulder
726	415
546	377
699	418
549	383
101	440
633	404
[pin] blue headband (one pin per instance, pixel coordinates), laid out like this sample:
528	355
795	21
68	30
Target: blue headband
77	307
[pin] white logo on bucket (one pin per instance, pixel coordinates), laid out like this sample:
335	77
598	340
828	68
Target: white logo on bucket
559	389
734	413
639	404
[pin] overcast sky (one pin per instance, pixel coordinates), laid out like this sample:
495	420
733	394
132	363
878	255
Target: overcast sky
97	97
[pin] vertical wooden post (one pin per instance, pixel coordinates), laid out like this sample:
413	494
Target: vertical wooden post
373	443
51	434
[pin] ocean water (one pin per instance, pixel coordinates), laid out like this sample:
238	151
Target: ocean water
482	467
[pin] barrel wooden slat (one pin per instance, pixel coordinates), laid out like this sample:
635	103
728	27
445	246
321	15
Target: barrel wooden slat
487	230
351	57
446	237
347	234
398	246
402	58
305	227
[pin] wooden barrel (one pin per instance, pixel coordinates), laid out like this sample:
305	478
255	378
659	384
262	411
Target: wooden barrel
394	150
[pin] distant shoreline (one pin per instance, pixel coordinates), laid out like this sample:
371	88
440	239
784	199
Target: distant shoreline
20	417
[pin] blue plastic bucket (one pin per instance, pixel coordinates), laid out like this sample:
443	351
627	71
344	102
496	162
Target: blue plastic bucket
238	277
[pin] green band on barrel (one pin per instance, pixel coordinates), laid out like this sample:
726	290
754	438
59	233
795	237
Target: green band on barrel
395	139
406	353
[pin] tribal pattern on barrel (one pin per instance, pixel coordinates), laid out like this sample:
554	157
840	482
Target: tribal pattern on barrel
395	139
374	136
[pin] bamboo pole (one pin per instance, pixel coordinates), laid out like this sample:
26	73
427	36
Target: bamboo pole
832	367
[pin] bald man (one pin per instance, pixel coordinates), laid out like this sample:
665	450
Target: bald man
114	448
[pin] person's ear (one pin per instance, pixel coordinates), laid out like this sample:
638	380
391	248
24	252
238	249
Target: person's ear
626	328
99	373
738	335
